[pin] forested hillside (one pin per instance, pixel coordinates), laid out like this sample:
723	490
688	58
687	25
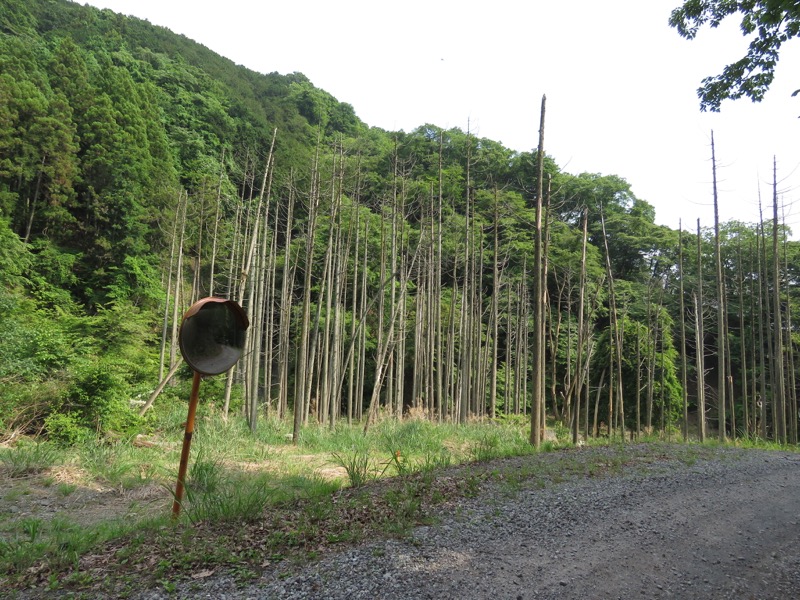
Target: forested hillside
382	272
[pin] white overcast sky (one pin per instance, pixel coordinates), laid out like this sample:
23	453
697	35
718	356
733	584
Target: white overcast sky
620	84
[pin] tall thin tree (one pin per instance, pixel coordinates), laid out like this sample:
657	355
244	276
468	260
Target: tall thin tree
537	352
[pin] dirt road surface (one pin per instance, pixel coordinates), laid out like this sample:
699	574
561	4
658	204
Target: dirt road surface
726	527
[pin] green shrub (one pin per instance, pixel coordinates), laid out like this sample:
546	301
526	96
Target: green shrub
98	399
66	429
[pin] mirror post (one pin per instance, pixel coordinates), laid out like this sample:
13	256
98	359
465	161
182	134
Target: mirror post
211	340
187	443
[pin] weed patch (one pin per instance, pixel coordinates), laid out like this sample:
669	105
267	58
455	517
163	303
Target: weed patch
29	458
357	464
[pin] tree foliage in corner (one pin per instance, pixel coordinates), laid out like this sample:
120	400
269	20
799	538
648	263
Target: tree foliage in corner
772	22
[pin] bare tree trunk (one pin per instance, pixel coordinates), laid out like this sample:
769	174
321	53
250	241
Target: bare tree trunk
651	361
356	341
464	374
729	370
515	338
524	355
638	384
422	394
331	258
482	339
165	324
721	308
700	342
437	296
587	389
269	334
780	391
567	405
546	300
173	349
665	418
255	307
757	377
251	285
315	366
792	407
197	263
401	336
553	336
252	353
336	371
216	226
420	366
765	274
352	362
159	388
582	331
286	312
449	394
682	319
537	399
611	379
380	332
743	342
495	318
236	269
362	341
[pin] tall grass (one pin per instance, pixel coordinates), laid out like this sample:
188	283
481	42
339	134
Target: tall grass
358	465
120	465
218	496
29	458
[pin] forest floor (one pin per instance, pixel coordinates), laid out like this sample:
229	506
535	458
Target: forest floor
634	521
70	493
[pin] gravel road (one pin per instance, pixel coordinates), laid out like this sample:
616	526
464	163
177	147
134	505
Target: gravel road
721	526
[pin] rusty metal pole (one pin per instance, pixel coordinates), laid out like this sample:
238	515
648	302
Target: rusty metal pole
187	443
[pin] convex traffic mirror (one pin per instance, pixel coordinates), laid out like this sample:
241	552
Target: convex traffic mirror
212	335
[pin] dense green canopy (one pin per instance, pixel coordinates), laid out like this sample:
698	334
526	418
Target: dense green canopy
140	171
